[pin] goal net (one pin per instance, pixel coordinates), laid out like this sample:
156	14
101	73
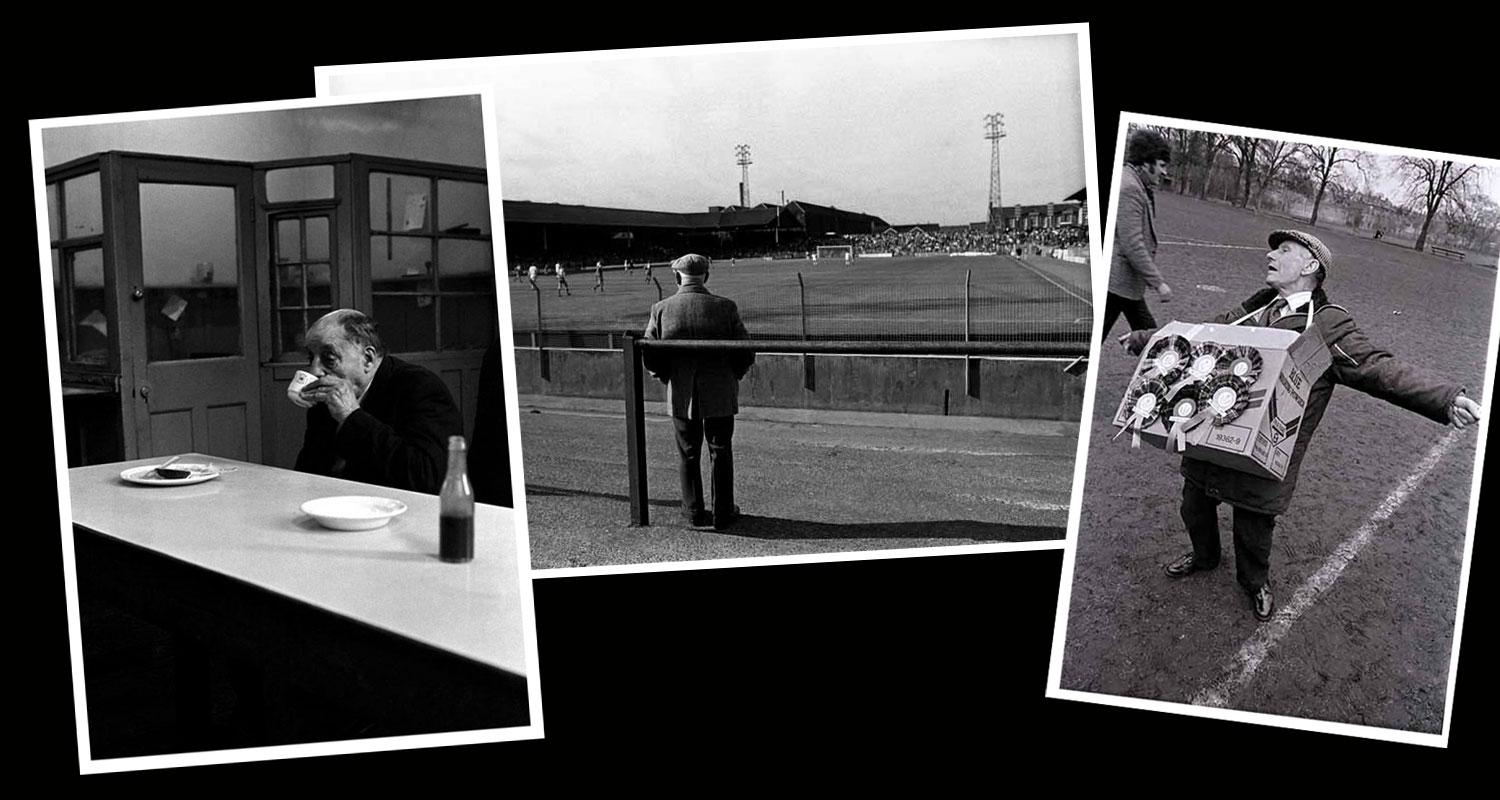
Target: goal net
839	252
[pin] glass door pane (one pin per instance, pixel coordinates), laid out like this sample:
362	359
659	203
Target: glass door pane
191	271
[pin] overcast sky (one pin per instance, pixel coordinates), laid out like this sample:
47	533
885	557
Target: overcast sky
895	130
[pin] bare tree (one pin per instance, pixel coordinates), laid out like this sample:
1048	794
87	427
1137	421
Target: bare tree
1327	166
1429	183
1476	219
1206	147
1275	157
1244	150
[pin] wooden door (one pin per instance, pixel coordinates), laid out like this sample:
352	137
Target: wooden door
192	323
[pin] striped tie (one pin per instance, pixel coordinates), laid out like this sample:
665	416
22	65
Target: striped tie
1273	311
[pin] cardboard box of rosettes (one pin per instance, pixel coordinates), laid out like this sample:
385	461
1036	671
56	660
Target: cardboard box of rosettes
1229	394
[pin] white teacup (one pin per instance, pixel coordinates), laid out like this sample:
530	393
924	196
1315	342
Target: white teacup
299	382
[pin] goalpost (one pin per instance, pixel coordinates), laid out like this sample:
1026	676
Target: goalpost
838	252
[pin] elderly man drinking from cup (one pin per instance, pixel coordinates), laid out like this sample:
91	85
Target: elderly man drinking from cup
372	417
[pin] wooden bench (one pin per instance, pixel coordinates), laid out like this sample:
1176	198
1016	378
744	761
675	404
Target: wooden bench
1446	252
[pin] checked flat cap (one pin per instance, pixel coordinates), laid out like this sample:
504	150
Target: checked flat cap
691	264
1319	250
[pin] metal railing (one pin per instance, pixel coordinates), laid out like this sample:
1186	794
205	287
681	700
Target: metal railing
634	346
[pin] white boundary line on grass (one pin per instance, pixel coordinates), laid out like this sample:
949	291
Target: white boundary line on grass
1049	279
1242	668
1212	244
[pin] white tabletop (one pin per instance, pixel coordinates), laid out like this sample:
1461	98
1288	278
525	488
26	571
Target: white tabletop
247	524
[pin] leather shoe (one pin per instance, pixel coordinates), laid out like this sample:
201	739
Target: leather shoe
720	523
1184	566
1263	603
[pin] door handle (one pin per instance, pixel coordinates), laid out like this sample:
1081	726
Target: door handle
144	391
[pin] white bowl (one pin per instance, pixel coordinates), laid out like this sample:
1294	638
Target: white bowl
353	512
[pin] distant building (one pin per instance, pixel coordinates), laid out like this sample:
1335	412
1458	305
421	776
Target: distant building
557	231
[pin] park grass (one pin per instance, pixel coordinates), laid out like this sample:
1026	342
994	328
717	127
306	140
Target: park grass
1375	649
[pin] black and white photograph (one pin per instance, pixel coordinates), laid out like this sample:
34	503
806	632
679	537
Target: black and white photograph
673	660
874	252
1283	452
274	343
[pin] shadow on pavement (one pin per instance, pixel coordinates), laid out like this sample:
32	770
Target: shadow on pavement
756	527
558	491
772	528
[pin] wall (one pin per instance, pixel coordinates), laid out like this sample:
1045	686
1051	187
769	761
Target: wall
448	130
1026	389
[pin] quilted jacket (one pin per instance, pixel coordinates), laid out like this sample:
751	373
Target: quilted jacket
1356	363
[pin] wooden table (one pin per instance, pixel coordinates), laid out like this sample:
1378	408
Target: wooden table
370	619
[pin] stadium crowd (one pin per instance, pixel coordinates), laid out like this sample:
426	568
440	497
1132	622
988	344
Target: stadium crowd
915	240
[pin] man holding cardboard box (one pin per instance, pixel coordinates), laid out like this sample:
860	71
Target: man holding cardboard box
1295	301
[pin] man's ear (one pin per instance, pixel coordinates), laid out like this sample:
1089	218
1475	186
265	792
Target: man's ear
1312	267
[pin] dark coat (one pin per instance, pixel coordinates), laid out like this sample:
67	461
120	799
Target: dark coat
1357	364
398	437
699	384
1132	265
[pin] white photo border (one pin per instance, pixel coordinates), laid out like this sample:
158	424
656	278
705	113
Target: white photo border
1065	587
412	73
89	765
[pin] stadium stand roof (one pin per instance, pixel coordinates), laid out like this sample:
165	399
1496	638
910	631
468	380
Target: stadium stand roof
1081	195
526	211
796	213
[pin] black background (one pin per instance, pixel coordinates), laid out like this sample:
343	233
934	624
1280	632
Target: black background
932	666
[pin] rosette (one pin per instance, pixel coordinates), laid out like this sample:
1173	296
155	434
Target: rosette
1167	358
1204	360
1145	403
1241	362
1224	397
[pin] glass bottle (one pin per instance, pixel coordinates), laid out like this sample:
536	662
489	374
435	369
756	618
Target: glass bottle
456	503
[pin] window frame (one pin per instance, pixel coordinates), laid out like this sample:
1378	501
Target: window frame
364	168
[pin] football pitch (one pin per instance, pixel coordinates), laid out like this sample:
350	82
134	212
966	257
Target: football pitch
915	297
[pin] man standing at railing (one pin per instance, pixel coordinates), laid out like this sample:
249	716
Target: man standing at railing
702	387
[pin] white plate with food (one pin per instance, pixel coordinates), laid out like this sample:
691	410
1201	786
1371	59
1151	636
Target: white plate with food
147	475
353	512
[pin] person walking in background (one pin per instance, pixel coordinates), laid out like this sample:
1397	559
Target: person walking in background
1132	267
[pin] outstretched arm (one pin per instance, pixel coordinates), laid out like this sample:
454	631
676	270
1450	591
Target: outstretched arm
1359	364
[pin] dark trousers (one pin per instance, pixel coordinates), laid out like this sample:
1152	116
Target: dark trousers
1136	312
1252	536
690	435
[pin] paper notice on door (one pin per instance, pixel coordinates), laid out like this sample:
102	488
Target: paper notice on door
96	321
174	307
416	212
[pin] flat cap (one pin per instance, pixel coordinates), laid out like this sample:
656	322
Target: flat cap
691	264
1319	250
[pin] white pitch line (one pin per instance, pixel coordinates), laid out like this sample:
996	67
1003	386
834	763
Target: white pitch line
1210	244
1044	276
1241	669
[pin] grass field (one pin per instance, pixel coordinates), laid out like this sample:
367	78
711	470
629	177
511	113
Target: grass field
1374	648
872	298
